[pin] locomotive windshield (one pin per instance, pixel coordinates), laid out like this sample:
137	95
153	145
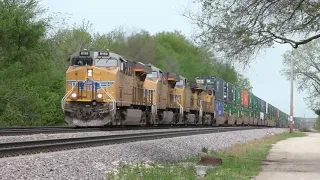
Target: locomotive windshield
106	62
154	74
81	61
180	84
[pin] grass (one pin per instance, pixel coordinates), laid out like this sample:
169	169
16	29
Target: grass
241	161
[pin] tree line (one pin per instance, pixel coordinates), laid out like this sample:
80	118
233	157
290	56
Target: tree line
34	53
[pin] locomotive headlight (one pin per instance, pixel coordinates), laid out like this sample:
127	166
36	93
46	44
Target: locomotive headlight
74	95
90	73
99	96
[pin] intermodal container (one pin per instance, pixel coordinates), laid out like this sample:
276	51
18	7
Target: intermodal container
251	113
254	102
234	110
225	92
244	98
262	115
244	111
219	108
256	114
227	108
218	86
263	106
229	92
238	96
273	112
238	110
267	108
258	104
250	100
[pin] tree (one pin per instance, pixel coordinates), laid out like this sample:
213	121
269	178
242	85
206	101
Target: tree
306	71
317	125
30	91
22	27
243	83
66	41
239	29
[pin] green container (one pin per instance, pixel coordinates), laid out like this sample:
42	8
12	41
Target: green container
251	114
238	111
257	113
238	97
250	100
245	112
258	105
234	109
228	108
254	104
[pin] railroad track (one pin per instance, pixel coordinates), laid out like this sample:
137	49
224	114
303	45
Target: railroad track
33	147
42	130
17	131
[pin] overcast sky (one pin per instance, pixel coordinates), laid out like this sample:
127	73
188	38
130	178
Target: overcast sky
164	15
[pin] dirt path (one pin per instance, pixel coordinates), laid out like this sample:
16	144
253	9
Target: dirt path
291	159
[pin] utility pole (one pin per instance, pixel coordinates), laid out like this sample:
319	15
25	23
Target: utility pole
291	97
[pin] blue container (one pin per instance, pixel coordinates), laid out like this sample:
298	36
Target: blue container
219	108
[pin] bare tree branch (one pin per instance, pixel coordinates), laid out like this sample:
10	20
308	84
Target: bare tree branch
306	70
238	29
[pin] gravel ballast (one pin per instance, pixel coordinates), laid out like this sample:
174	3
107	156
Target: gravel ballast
34	137
92	163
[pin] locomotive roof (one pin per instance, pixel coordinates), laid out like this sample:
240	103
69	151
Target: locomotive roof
154	68
207	77
181	77
194	85
144	67
174	76
94	53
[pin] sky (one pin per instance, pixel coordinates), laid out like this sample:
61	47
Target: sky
165	15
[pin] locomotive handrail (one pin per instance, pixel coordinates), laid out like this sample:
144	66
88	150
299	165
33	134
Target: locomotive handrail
201	109
154	111
180	106
154	108
111	97
67	94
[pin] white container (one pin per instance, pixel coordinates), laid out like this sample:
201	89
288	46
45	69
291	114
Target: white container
267	108
262	115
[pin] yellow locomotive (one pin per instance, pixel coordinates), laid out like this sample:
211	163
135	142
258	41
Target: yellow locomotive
104	88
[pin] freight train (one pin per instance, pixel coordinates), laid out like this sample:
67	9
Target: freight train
104	88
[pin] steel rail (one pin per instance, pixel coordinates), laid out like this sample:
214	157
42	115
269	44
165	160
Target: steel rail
16	131
32	147
30	131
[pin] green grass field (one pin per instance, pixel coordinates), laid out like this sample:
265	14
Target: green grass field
241	161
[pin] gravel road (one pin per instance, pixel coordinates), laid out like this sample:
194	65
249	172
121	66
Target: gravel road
92	163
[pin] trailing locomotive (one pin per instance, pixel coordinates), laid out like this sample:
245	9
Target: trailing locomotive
104	88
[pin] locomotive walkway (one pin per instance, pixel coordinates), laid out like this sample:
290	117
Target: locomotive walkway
293	159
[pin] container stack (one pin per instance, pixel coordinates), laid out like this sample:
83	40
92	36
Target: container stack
234	105
229	102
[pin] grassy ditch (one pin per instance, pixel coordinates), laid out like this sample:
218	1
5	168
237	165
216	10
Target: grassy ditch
241	161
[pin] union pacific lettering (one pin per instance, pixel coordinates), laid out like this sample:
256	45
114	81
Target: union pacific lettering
84	84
